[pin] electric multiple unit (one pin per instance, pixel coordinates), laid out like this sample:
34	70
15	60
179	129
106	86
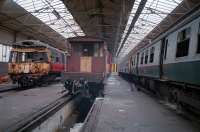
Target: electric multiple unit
33	62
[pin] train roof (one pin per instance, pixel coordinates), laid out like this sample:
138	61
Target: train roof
33	44
30	43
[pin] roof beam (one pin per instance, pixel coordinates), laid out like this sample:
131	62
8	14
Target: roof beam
135	18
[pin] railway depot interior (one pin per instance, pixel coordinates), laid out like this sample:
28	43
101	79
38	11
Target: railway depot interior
99	65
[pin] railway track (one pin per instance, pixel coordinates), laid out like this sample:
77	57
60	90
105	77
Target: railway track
10	88
29	123
17	88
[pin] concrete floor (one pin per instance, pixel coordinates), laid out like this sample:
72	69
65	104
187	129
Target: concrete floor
124	110
18	105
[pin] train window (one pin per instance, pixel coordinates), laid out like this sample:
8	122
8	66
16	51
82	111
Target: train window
39	57
198	47
131	61
183	41
27	56
4	53
63	58
96	50
146	56
87	50
142	58
1	53
165	49
57	59
22	55
13	57
101	50
76	48
135	60
152	50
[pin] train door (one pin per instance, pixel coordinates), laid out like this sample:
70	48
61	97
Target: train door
137	63
163	51
85	64
86	57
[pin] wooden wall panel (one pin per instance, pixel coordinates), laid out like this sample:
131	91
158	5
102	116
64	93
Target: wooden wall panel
86	64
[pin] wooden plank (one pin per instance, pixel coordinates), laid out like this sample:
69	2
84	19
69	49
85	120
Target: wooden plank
86	64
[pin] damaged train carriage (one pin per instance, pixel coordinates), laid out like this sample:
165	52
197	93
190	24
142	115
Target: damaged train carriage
33	62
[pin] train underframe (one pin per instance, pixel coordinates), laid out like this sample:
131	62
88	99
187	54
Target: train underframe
183	95
30	80
91	82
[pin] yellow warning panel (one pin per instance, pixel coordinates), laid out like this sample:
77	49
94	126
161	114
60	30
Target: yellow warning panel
113	67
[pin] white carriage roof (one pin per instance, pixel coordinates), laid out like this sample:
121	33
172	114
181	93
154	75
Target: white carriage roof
153	13
53	13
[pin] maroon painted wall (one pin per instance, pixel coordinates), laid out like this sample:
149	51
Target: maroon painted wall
98	64
73	63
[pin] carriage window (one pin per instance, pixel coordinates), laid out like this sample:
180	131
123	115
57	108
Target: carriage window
165	49
131	61
28	57
146	57
142	58
57	59
23	57
152	50
183	41
13	57
198	48
136	59
63	58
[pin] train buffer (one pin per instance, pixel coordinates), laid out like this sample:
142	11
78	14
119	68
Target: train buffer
123	110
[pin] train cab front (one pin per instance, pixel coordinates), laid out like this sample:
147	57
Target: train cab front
26	66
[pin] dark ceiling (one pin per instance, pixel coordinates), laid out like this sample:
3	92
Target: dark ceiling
105	19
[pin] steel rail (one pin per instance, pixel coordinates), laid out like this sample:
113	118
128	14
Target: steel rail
12	88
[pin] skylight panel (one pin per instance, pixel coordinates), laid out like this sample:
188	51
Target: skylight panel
153	13
54	14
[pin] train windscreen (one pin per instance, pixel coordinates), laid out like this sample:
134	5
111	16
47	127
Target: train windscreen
28	57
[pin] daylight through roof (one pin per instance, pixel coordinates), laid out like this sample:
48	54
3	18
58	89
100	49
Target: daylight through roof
54	14
153	13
